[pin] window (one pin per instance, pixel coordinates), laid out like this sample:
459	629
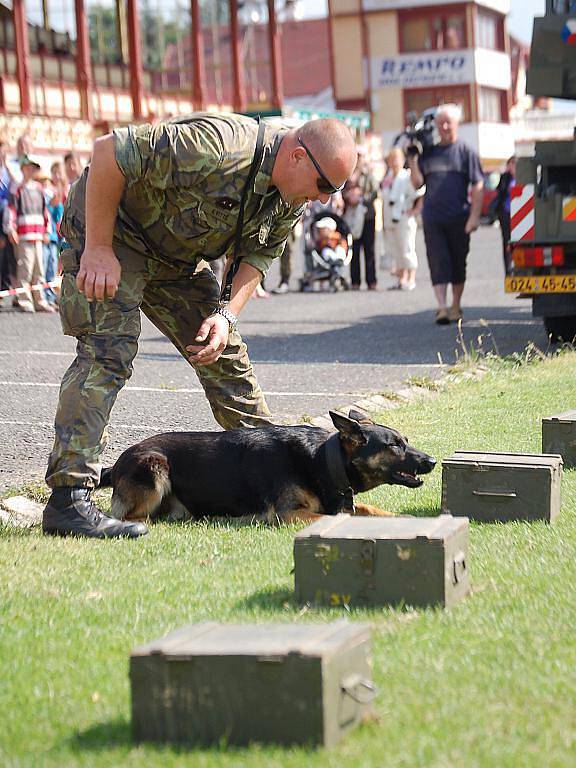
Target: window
489	31
563	6
432	32
490	105
417	100
416	35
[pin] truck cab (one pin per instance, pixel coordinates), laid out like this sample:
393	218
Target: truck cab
543	202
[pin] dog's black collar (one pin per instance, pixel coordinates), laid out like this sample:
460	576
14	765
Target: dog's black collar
334	457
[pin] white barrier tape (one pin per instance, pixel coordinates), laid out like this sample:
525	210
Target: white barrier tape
15	291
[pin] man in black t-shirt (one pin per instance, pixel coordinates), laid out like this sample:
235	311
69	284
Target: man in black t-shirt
454	182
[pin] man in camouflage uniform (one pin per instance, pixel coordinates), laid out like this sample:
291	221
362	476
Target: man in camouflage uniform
141	224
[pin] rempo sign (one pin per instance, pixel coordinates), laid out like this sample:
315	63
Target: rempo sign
420	70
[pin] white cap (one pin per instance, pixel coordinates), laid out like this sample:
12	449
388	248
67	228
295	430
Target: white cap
326	223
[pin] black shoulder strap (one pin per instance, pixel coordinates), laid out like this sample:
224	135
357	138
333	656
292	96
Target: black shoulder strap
258	152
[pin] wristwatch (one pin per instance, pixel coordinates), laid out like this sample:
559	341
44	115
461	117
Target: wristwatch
230	316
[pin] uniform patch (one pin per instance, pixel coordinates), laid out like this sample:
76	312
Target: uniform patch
264	231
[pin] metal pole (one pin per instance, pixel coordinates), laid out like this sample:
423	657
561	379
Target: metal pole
134	52
276	57
239	95
199	73
22	53
121	31
83	64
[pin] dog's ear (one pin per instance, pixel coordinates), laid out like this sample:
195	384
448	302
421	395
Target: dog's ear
360	417
350	430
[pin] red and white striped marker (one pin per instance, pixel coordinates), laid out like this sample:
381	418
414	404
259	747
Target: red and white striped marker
522	213
15	291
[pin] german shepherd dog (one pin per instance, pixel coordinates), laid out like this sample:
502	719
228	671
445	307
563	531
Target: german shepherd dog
272	474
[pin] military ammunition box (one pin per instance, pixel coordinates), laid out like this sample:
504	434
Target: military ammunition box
492	487
344	560
288	684
559	436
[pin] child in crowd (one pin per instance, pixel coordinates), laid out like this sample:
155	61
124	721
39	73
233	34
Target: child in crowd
354	209
25	222
331	244
54	196
331	247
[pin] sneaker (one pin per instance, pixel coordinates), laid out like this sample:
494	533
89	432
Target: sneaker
281	289
408	286
441	317
71	512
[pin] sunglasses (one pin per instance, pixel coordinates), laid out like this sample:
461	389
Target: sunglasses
325	186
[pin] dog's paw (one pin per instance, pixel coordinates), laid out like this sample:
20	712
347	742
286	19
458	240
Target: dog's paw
367	510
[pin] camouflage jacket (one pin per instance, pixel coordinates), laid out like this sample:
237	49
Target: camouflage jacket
184	181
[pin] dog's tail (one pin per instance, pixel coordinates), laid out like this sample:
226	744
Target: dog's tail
105	478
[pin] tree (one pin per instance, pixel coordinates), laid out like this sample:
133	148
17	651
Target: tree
103	34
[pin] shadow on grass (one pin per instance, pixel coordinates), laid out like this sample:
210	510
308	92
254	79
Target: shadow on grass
420	511
117	734
269	599
102	736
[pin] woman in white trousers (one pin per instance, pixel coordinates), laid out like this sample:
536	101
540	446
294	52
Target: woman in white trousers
399	208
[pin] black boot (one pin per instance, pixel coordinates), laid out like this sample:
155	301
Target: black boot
71	512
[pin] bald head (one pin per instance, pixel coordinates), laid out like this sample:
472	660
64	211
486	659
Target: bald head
331	145
330	139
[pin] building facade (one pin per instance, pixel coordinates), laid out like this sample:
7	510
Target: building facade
394	57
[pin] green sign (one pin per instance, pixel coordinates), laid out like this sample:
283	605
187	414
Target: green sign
352	119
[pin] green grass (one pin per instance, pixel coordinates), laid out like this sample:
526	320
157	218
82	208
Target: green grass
491	682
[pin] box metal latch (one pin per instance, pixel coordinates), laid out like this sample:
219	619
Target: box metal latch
458	568
355	691
496	494
358	688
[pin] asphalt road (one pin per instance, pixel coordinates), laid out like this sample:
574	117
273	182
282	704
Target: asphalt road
311	352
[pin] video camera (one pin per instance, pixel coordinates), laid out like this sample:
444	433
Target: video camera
418	134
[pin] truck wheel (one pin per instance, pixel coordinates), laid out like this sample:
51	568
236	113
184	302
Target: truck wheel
561	328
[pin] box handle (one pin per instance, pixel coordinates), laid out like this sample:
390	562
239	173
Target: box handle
358	688
459	567
498	494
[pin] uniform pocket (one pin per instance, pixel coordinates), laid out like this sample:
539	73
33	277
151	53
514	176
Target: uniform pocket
70	260
75	310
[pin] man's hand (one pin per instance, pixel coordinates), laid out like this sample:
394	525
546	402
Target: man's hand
99	273
214	331
13	237
472	225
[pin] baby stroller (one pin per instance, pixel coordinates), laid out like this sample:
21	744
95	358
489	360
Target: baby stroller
327	251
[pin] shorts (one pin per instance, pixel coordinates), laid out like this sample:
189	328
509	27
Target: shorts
447	246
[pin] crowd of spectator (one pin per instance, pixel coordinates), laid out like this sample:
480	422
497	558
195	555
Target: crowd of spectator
440	184
31	208
443	186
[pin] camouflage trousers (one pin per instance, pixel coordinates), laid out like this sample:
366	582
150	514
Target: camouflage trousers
107	341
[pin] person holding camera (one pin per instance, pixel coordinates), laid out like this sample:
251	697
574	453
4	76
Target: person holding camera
454	182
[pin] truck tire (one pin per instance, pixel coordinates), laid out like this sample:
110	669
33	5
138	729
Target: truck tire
561	329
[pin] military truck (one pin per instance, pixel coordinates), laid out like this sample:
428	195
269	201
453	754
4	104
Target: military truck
543	202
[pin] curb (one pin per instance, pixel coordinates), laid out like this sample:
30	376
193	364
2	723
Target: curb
395	398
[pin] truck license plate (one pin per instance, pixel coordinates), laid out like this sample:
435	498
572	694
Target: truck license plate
541	284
